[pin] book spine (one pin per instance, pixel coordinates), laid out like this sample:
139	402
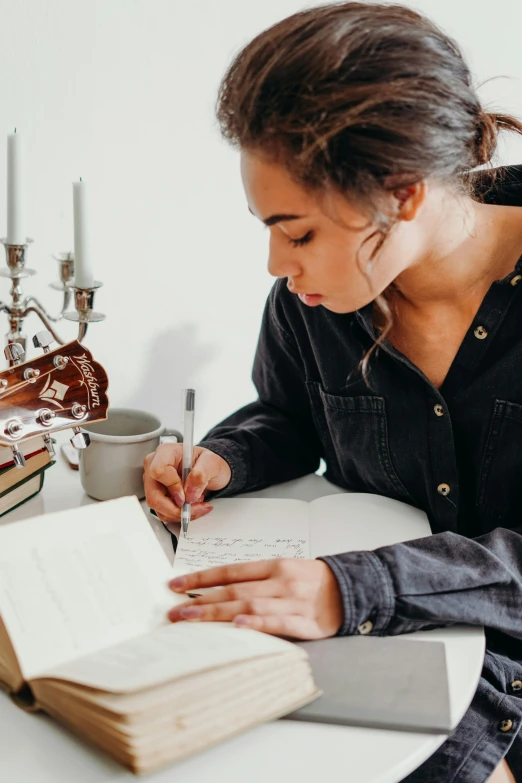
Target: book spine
24	698
33	494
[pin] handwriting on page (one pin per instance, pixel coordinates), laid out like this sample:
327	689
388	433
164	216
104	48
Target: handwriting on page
194	554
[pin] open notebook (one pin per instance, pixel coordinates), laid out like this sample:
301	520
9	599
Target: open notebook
84	636
242	529
391	682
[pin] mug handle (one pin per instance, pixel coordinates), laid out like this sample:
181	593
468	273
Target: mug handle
169	432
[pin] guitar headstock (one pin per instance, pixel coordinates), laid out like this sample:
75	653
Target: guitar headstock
60	389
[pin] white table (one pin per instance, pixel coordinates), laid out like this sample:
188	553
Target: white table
35	748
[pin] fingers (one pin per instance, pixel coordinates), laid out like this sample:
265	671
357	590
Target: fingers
244	591
206	467
157	498
167	511
161	466
279	617
225	575
226	612
209	470
196	510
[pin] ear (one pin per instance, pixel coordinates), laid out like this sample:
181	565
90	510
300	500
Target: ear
409	200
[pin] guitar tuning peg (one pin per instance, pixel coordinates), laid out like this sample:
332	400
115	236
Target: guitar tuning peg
43	340
18	457
80	440
49	445
14	353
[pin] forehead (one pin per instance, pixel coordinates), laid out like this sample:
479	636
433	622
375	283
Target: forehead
269	187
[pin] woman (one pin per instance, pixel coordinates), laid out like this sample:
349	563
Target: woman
391	346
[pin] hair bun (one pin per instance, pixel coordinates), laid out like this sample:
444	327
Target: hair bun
486	138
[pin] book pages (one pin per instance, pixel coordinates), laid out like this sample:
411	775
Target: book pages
168	653
78	581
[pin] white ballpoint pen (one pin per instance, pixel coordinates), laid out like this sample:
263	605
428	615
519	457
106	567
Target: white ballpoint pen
189	398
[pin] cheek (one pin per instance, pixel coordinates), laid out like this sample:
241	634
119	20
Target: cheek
343	270
342	275
397	254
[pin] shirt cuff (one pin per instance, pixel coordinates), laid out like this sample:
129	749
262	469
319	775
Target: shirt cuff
232	454
366	591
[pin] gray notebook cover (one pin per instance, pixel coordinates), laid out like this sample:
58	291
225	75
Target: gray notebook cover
379	682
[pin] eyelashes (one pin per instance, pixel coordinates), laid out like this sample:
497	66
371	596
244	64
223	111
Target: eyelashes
301	240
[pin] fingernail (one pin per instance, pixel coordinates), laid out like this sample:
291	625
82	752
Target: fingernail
191	611
192	495
178	499
176	583
242	619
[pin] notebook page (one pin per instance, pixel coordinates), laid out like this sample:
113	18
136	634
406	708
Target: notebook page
355	521
78	581
245	529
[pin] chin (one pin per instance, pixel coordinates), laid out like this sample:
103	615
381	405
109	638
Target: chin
342	308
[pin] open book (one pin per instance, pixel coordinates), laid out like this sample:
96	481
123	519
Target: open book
85	637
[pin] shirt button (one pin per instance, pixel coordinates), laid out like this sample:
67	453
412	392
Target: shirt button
515	280
439	410
480	333
506	725
443	489
517	685
366	627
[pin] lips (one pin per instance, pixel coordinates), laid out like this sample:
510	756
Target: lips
312	300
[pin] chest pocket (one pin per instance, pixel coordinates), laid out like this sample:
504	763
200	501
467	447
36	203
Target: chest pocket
499	495
354	433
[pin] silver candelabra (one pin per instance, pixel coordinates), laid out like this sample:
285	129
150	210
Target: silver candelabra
21	305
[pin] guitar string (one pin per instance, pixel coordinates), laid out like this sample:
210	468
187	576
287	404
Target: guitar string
25	382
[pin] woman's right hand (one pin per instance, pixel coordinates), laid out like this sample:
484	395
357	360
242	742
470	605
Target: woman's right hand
162	480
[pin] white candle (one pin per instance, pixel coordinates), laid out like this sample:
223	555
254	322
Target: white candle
83	277
15	190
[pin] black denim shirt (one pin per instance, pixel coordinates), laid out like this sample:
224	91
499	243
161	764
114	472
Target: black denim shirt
455	452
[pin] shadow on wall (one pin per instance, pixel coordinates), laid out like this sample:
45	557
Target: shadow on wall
172	362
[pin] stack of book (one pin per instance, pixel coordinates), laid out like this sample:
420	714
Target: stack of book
20	484
84	636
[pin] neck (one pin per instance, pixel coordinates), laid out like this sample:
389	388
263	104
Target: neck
471	245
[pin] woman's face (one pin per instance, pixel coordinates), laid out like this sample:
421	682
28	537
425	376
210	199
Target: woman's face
318	256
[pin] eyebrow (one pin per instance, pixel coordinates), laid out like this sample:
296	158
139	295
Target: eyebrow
273	219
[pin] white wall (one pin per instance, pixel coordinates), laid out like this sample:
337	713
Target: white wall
122	92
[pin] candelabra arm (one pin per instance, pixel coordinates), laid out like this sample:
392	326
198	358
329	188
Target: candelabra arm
43	318
56	318
82	330
4	308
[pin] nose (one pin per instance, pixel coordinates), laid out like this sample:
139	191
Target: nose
279	263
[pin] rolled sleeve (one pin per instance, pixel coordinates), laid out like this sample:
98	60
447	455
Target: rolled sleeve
366	590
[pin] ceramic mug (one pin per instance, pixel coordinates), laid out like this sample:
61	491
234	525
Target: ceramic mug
112	465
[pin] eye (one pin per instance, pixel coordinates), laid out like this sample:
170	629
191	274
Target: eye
301	240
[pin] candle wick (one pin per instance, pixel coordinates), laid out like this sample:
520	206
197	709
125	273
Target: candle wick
80	179
15	130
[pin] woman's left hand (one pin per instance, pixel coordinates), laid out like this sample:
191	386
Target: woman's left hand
286	597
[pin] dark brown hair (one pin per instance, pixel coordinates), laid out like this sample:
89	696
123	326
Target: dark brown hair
359	99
